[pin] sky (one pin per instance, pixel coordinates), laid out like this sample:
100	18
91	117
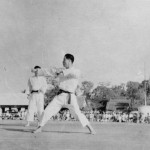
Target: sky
110	39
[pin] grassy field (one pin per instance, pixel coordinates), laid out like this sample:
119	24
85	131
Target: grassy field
71	136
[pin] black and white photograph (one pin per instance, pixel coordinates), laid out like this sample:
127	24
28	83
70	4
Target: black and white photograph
74	74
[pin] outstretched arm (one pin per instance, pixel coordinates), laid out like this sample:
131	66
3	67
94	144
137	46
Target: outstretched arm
51	72
63	77
46	72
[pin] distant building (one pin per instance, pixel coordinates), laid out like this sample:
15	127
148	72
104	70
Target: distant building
118	104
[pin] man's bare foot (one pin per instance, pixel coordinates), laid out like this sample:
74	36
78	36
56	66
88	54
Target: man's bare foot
38	130
92	131
27	125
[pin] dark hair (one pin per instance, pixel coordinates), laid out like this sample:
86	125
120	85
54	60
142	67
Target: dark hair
69	56
37	67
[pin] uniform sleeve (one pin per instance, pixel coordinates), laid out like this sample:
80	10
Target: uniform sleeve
29	87
72	75
47	72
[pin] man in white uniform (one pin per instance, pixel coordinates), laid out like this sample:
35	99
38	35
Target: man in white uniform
68	81
37	86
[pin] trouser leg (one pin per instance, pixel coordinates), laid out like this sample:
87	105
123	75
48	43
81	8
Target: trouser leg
52	109
40	106
31	108
74	108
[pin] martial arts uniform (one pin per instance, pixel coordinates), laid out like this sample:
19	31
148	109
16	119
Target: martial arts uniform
66	95
36	98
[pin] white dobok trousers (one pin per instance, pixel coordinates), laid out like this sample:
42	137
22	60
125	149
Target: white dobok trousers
36	105
57	103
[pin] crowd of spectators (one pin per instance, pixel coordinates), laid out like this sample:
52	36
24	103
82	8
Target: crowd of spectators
92	116
108	116
13	115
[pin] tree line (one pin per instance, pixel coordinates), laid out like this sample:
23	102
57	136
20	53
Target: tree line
97	97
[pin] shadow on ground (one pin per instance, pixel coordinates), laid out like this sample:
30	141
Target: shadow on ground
17	130
44	131
68	132
11	124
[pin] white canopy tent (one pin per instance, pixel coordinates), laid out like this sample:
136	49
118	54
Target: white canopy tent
144	110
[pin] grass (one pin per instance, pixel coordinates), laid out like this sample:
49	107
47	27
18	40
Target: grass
65	135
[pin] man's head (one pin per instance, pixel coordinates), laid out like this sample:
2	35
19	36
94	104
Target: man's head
68	60
37	67
36	70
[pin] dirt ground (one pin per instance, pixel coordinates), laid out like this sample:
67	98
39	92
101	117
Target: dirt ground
67	135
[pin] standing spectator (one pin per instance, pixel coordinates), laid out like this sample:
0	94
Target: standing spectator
120	117
148	118
98	116
19	114
131	117
91	116
67	115
37	86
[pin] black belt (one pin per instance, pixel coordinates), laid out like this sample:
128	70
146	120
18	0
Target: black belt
34	91
69	93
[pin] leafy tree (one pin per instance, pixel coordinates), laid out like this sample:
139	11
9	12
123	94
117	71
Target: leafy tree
133	92
119	91
101	92
87	86
145	86
49	95
100	96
